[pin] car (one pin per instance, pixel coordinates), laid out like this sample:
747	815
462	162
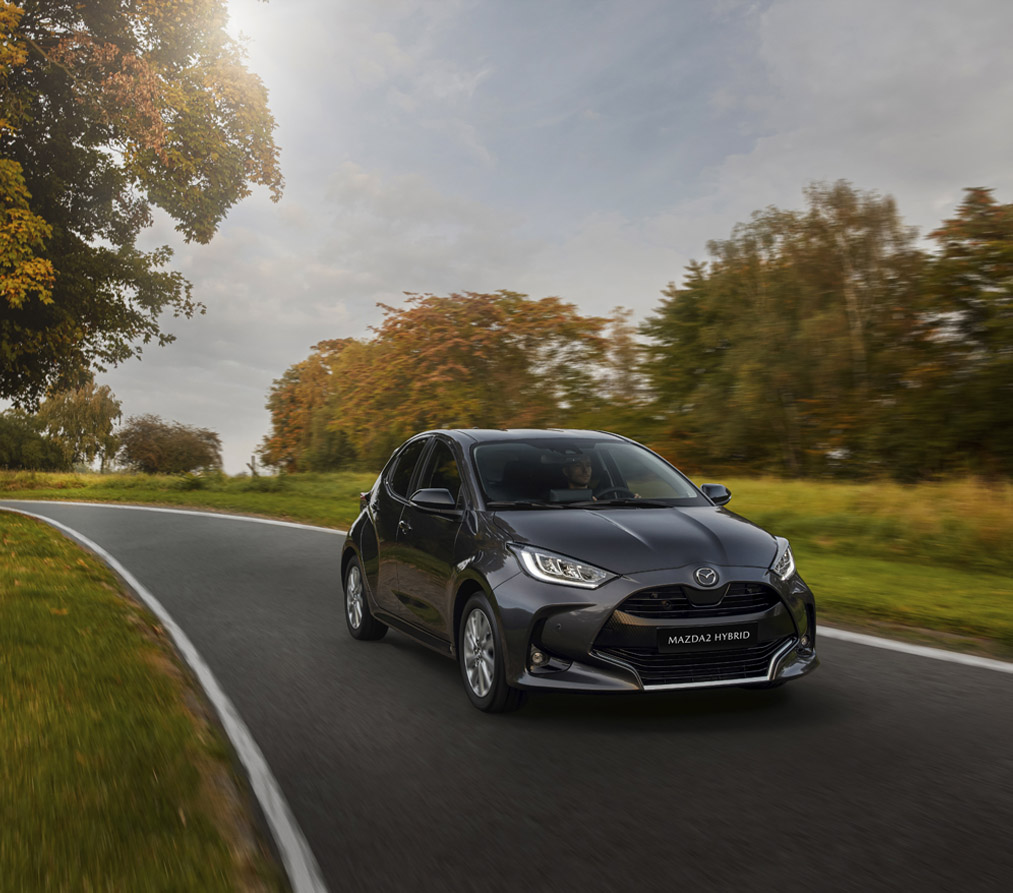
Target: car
571	560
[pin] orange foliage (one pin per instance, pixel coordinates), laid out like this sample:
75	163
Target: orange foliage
483	360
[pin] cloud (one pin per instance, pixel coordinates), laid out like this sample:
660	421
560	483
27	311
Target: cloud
902	98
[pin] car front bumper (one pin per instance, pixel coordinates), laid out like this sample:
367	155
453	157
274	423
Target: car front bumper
594	644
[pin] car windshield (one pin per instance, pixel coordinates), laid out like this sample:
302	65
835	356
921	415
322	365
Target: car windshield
582	472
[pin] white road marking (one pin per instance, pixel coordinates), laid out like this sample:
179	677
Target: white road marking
953	657
200	514
300	863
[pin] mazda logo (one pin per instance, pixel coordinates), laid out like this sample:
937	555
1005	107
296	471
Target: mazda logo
706	576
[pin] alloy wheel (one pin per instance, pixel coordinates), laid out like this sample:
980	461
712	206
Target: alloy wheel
353	597
479	652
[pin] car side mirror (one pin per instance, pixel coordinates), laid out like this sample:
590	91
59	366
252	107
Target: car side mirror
719	494
364	499
434	498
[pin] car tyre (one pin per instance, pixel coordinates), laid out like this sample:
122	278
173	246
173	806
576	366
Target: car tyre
480	656
361	624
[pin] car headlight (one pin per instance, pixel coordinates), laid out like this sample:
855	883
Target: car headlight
552	568
784	563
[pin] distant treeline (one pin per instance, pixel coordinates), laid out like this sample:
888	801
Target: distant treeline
74	428
813	342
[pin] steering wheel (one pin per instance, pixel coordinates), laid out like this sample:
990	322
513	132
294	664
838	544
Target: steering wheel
618	491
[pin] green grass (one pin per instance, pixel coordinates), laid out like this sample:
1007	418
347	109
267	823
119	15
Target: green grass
330	500
947	606
929	559
960	524
113	778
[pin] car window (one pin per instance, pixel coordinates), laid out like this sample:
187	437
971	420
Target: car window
441	470
549	470
643	473
401	475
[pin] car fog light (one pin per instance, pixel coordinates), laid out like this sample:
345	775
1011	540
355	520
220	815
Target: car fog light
538	658
805	643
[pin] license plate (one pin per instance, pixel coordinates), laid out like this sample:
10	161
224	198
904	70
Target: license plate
707	638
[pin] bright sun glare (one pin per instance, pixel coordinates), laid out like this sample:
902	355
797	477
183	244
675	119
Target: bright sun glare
245	17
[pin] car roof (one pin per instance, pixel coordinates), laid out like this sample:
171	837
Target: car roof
485	435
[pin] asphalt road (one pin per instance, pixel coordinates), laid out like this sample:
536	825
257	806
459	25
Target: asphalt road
880	771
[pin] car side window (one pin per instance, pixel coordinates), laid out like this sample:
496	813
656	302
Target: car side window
401	476
441	471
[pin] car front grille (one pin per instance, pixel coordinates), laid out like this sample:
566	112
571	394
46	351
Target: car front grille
655	668
683	602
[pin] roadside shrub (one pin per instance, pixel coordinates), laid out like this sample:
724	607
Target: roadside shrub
153	446
190	481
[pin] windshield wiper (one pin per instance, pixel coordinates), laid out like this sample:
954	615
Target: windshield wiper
523	504
610	503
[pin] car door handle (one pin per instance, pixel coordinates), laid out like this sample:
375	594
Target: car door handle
404	527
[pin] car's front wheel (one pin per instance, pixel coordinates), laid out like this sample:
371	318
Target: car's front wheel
361	624
481	659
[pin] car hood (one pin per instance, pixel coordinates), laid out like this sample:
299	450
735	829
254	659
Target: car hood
628	540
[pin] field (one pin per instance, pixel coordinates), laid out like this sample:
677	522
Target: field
929	561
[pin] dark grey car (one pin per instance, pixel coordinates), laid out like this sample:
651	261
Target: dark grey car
571	560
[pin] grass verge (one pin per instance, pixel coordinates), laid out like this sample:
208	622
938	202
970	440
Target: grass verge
114	777
330	500
933	605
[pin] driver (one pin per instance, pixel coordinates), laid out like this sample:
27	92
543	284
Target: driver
577	471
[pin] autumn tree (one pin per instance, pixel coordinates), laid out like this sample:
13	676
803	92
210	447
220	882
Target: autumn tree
153	446
459	360
110	109
300	438
82	421
621	401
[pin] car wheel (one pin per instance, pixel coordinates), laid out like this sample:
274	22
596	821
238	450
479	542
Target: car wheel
480	656
361	624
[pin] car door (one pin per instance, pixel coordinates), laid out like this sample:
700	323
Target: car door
427	545
386	511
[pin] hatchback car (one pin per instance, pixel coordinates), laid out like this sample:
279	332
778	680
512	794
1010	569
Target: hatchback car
571	561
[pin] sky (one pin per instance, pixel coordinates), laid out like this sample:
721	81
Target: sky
587	149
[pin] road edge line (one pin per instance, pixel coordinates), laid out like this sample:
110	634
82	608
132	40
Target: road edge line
208	513
953	657
300	863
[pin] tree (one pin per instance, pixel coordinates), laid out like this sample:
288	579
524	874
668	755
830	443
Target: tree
792	345
82	421
152	446
970	286
459	360
300	439
109	109
22	446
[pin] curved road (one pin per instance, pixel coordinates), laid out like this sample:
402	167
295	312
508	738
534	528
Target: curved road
881	771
